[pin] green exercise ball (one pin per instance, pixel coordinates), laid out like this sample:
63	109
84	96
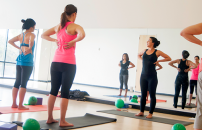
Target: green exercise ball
32	100
31	124
178	127
119	103
135	97
134	100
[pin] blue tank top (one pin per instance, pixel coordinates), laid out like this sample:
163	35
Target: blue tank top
25	60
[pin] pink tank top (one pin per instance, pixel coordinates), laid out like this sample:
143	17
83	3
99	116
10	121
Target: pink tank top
65	55
195	72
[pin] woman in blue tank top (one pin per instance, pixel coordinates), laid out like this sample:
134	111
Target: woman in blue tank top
24	65
184	66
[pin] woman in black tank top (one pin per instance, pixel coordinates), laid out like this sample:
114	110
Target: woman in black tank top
123	76
182	79
148	79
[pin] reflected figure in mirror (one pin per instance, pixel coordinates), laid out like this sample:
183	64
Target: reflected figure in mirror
182	80
123	76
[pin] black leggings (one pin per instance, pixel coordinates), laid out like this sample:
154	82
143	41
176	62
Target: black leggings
62	74
181	81
148	82
123	80
22	75
192	84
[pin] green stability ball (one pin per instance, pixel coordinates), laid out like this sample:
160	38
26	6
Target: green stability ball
134	100
135	97
119	103
31	124
32	100
178	127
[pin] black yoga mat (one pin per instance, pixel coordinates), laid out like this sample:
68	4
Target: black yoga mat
188	106
79	122
154	119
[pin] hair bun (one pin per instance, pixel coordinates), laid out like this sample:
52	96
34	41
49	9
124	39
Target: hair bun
23	21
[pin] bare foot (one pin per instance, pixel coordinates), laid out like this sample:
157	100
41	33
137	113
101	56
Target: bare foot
188	104
119	95
65	124
125	96
23	108
49	121
149	116
14	106
140	114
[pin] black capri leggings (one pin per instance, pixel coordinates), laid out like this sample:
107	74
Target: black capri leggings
62	74
192	84
148	82
123	80
181	81
22	75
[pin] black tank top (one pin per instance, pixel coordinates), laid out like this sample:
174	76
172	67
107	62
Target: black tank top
124	68
148	66
182	67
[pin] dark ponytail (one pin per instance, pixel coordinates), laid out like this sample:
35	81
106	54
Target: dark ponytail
155	41
69	10
28	23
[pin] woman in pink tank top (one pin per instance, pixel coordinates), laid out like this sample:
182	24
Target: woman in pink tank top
193	79
63	67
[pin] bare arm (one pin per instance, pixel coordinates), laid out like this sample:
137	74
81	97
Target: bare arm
13	40
192	65
132	65
46	35
165	56
189	32
160	67
173	62
80	36
140	54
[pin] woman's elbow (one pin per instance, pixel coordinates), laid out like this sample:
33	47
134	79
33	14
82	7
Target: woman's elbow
42	36
9	41
182	33
83	35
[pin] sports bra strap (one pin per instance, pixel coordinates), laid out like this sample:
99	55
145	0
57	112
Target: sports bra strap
23	36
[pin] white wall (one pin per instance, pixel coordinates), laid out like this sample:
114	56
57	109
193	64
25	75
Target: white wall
99	54
104	13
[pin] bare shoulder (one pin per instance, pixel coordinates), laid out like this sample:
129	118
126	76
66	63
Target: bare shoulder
32	35
159	52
